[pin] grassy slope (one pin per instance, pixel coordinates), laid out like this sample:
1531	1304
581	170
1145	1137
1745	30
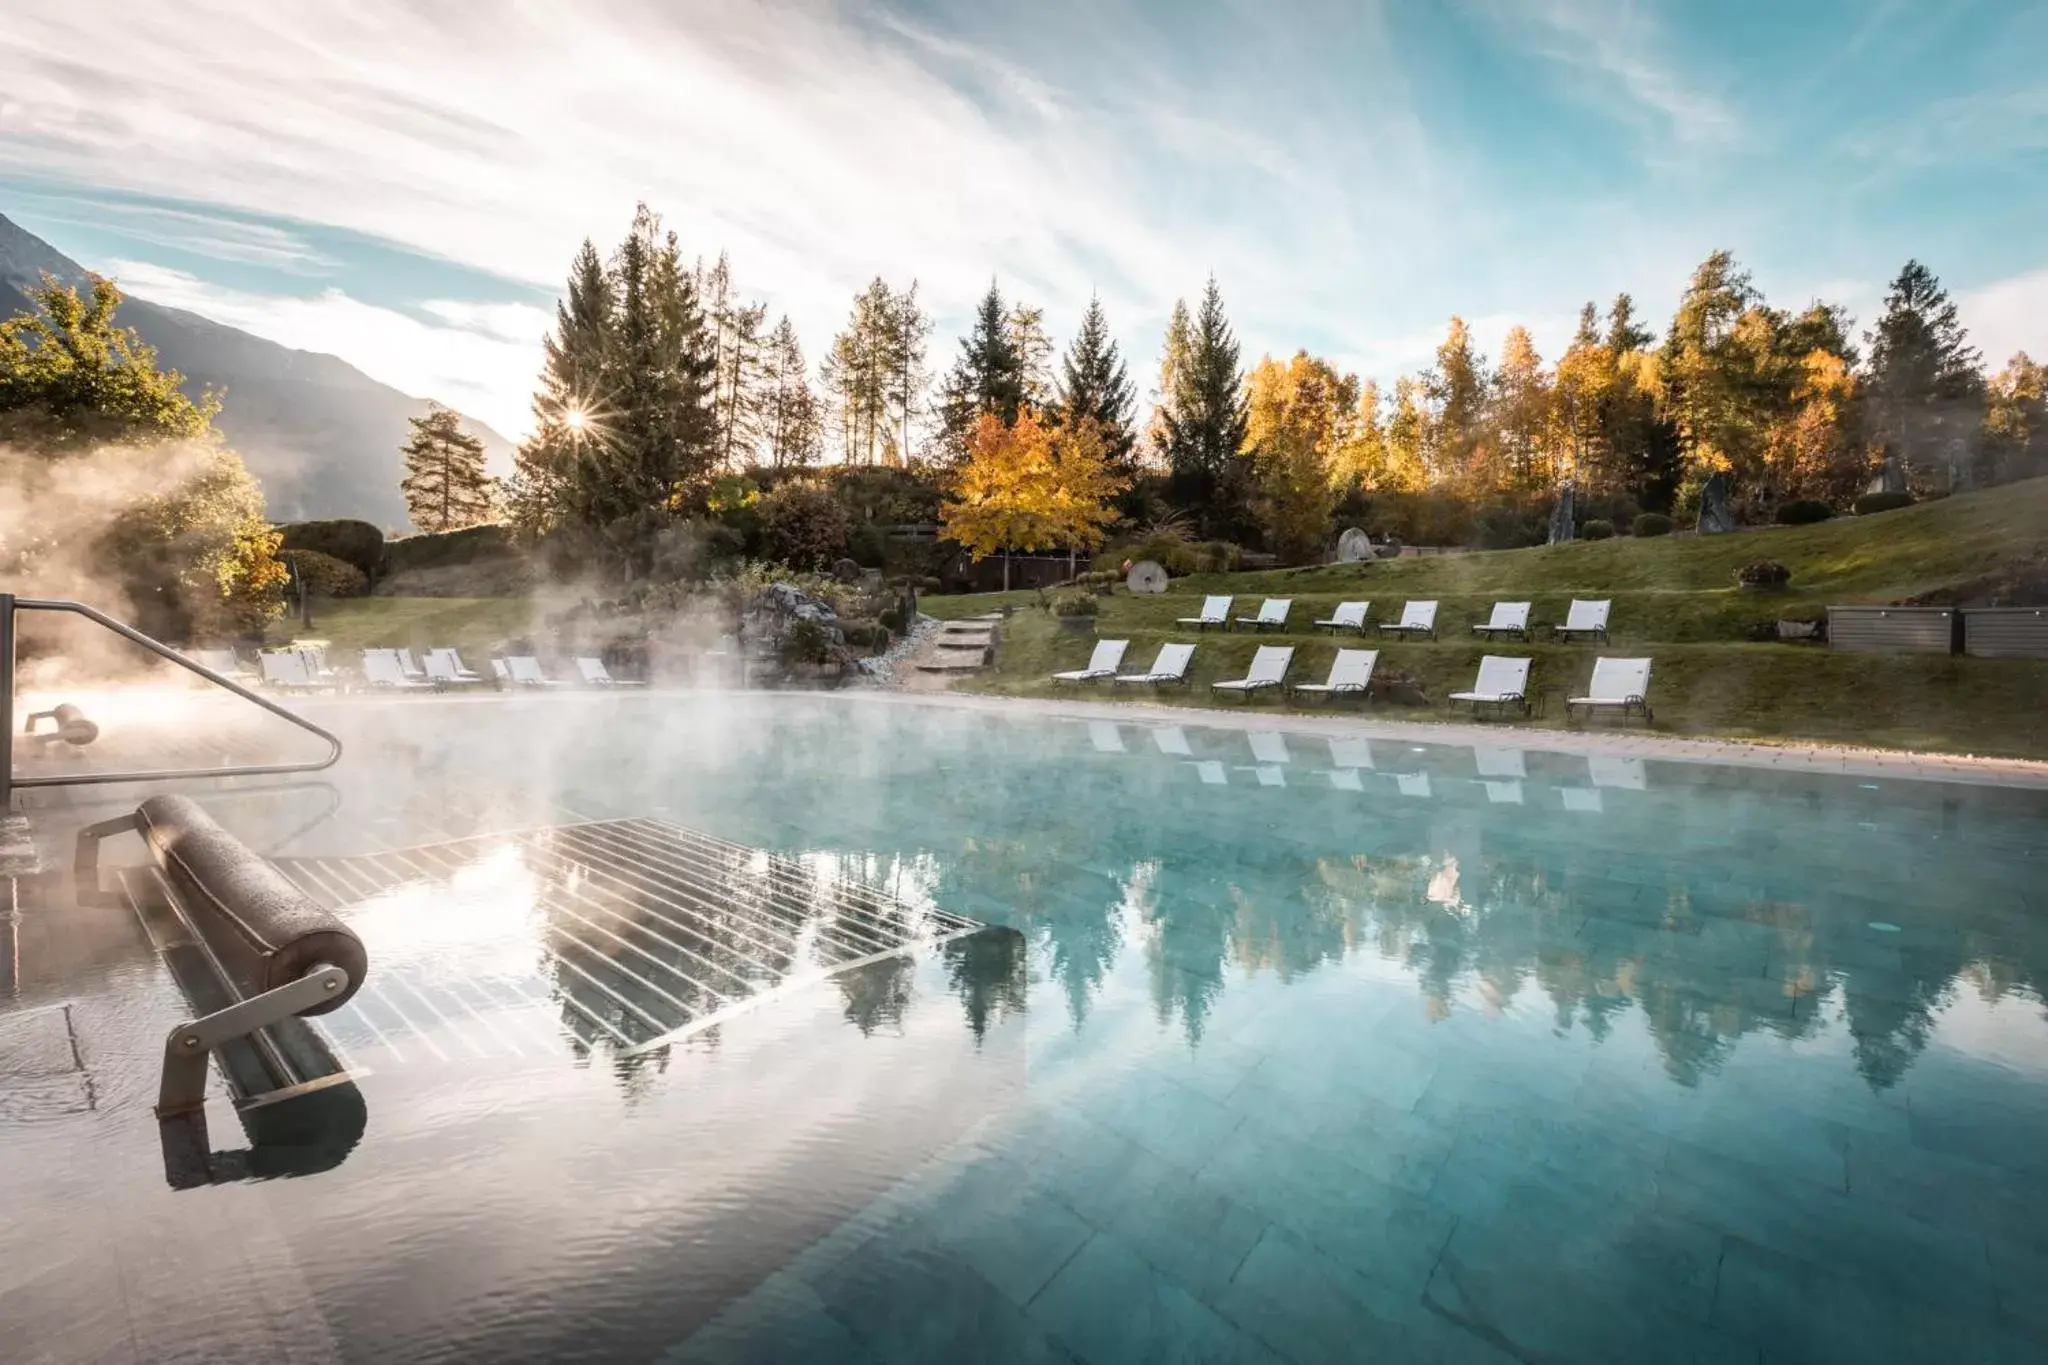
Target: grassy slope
470	624
1674	598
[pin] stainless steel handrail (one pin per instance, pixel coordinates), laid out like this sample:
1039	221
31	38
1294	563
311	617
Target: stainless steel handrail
10	604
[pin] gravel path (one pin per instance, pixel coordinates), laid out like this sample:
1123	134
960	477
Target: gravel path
889	669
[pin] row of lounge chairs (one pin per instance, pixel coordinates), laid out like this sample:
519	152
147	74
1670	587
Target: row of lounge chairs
397	670
1584	620
1502	684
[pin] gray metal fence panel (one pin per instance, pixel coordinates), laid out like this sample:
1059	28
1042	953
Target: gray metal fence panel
1893	630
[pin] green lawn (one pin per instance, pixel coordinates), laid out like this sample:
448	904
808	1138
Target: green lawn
471	624
1674	598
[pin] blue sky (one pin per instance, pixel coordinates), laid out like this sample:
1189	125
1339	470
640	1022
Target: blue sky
402	183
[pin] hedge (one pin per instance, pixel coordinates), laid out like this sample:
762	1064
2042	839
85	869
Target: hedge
353	542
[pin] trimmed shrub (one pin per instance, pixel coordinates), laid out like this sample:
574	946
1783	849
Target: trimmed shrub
1871	503
1597	529
1804	512
352	542
434	549
1653	524
804	526
1763	573
1074	604
326	576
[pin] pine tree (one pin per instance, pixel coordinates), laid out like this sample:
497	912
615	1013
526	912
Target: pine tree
1706	368
1093	384
543	491
1173	359
736	363
1034	349
791	428
1926	381
1205	417
625	418
445	485
874	371
987	377
909	328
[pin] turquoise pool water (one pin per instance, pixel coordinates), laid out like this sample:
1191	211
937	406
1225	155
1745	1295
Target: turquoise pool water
1308	1049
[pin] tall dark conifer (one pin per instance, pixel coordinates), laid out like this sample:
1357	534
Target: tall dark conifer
1093	383
1206	418
988	376
1926	381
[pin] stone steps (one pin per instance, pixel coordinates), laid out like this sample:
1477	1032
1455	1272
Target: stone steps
963	646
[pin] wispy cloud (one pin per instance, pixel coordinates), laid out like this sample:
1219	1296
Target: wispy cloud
1619	59
463	363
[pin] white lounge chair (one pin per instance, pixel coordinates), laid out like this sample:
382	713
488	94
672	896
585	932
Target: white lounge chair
381	670
443	670
411	665
1509	618
1584	618
221	661
1348	616
525	670
501	670
1215	612
1269	669
1103	663
285	668
1417	618
1503	682
1170	666
1350	671
1618	685
452	661
597	675
1272	612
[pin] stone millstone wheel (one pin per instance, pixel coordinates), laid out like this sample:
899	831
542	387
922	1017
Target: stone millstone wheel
1146	576
1354	547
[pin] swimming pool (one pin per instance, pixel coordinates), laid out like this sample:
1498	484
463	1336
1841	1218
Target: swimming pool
1306	1047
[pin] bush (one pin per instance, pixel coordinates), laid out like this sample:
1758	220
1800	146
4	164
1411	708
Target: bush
1653	524
326	576
1871	503
1804	512
865	634
1763	573
432	550
1597	529
806	643
1074	604
804	526
352	542
868	546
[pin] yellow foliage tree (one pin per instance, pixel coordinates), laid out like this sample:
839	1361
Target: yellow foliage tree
1299	416
1028	487
1812	452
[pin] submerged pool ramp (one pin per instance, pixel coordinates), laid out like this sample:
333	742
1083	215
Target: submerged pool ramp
305	975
